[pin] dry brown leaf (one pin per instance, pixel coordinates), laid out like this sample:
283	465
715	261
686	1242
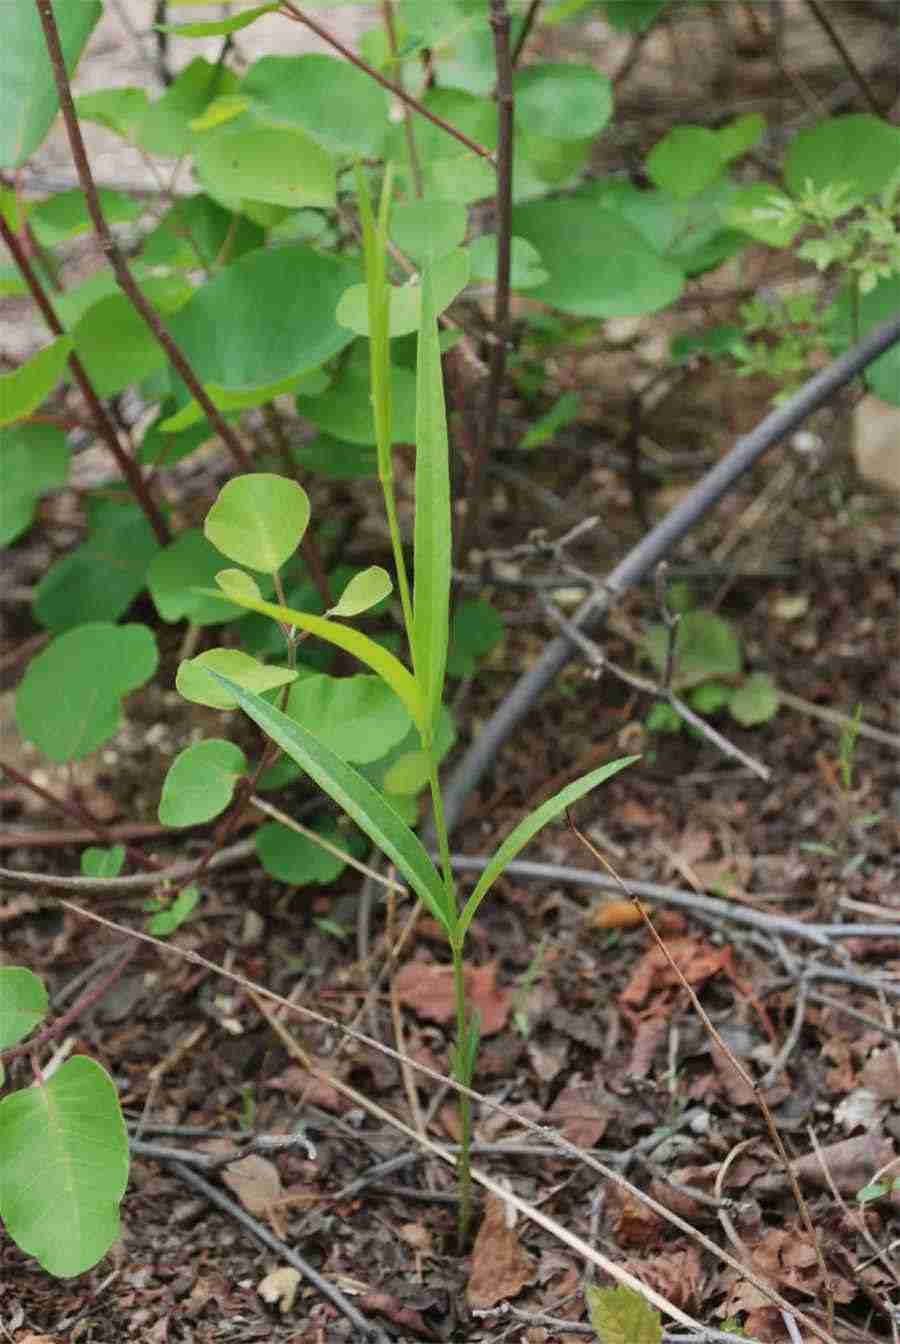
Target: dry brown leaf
676	1274
696	959
280	1287
881	1074
501	1267
578	1113
635	1225
428	989
256	1182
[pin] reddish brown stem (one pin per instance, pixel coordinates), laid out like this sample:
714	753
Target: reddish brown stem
113	252
81	1006
72	808
102	422
300	16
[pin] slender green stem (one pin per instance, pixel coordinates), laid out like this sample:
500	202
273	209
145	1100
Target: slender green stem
463	1162
461	1068
374	235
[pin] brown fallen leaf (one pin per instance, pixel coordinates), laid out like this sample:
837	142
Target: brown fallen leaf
578	1113
696	959
428	989
501	1267
256	1182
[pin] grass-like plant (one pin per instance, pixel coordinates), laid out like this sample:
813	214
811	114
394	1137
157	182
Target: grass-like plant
259	520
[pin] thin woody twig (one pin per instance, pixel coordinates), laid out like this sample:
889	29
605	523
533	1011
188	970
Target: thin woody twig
293	12
113	252
104	426
81	1006
840	46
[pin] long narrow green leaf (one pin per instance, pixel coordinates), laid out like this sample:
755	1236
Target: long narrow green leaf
528	829
432	559
354	794
374	238
389	668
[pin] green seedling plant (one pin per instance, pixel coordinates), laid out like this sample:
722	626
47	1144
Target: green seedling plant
708	671
259	524
850	822
278	314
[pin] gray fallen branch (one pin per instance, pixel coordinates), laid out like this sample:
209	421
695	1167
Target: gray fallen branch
655	546
285	1253
710	907
10	880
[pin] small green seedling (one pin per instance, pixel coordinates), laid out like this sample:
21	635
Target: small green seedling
708	671
259	524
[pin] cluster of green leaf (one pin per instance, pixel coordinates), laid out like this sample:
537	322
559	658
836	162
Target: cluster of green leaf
841	200
708	670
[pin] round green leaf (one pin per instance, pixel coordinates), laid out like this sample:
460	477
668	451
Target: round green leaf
69	701
264	318
173	916
98	862
23	390
194	682
65	1167
563	102
236	583
295	858
178	572
450	274
201	782
119	110
33	459
750	211
363	591
740	135
23	1004
879	305
756	701
115	345
279	165
337	105
65	215
599	264
358	717
165	128
526	268
426	230
408	774
705	647
686	161
859	150
28	97
259	520
98	580
345	409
